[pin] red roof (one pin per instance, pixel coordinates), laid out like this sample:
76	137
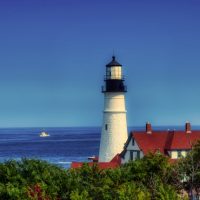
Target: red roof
182	140
114	163
116	159
101	165
165	140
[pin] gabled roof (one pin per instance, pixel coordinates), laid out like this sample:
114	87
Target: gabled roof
165	140
114	163
151	142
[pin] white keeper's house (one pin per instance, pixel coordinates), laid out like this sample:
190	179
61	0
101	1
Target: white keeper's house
173	143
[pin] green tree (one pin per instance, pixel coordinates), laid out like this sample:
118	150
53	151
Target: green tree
189	171
148	178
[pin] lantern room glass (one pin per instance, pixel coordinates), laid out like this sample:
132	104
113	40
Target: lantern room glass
114	72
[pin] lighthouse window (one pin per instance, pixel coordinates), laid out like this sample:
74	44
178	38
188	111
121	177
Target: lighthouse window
108	73
115	72
133	141
106	127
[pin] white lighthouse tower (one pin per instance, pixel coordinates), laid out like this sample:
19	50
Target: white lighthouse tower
114	128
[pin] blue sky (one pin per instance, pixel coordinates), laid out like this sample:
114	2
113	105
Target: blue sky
53	56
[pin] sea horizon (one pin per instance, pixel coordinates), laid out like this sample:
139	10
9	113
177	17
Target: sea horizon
178	127
65	144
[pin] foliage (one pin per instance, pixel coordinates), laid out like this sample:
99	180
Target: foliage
150	178
166	192
188	170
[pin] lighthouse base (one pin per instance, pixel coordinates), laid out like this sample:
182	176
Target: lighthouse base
113	135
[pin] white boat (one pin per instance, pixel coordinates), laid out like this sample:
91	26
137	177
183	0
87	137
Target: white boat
44	134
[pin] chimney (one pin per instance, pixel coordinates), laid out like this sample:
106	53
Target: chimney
188	127
148	128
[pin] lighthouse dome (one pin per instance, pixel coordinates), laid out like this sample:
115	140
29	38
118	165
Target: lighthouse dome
113	63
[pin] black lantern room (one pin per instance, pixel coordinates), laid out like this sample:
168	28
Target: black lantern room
114	80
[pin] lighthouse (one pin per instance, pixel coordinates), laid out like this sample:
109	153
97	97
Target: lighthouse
114	128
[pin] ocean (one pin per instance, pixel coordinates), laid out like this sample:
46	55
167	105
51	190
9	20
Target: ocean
63	146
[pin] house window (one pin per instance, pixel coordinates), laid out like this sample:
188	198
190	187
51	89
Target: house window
106	127
179	154
174	154
138	154
183	153
133	142
131	155
134	154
